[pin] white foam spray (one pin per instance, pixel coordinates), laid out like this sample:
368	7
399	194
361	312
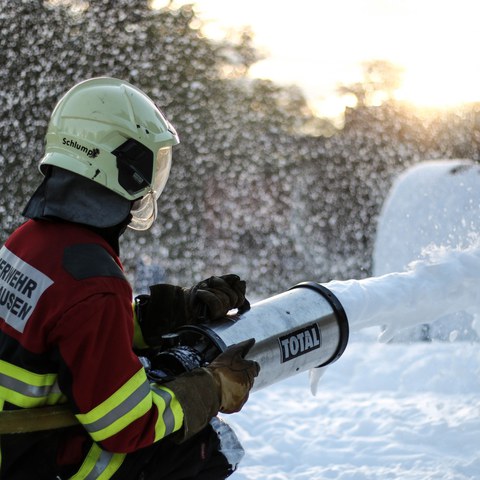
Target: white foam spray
445	281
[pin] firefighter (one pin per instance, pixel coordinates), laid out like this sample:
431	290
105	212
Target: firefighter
68	332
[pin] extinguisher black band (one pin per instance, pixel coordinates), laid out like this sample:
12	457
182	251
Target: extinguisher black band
340	315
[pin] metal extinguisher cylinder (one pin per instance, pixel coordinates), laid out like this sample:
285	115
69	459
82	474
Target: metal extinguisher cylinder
302	328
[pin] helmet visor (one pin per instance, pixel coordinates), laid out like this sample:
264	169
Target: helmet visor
144	210
161	170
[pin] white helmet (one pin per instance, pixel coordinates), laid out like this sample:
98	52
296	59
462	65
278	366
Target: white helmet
110	132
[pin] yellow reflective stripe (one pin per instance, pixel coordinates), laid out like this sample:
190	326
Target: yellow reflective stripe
138	340
127	404
23	401
2	403
99	464
170	413
34	379
26	389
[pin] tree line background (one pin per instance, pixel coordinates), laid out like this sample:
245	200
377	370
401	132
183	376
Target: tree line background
259	185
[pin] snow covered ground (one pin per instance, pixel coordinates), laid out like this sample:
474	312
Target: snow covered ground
382	411
399	410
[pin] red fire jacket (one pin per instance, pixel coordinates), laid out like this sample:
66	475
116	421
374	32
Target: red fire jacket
66	335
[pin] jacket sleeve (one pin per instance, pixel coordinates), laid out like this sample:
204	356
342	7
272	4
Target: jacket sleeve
104	380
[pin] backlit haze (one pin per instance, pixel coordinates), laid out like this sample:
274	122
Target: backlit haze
320	44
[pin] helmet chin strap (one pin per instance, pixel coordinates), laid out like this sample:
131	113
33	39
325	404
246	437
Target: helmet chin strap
144	212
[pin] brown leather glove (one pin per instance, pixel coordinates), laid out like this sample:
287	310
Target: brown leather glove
234	375
222	386
169	306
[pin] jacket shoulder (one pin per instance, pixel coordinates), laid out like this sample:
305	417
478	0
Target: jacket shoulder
88	260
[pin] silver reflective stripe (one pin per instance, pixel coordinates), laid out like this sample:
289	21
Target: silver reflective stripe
120	410
167	416
100	465
56	388
24	388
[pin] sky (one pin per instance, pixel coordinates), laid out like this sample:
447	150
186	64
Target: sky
318	44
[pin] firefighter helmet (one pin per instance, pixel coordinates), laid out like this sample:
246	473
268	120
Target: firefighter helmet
112	133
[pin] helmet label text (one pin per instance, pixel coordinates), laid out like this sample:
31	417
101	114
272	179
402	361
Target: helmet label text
90	152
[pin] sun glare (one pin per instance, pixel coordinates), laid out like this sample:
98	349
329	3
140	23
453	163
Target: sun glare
439	89
444	81
435	41
442	67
